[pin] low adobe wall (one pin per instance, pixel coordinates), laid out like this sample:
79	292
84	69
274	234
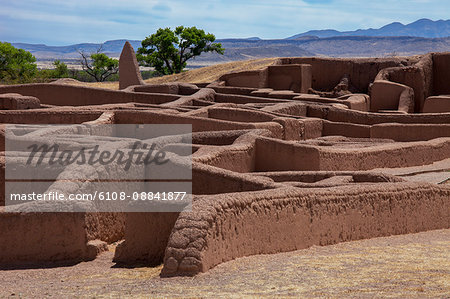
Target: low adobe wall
146	237
288	108
43	117
238	114
167	88
214	180
429	76
237	157
437	104
203	95
147	234
39	237
52	237
48	117
198	124
69	95
368	118
217	137
273	154
419	77
243	99
345	129
227	226
327	72
318	177
441	73
386	95
231	89
279	77
276	155
2	177
391	155
290	77
410	132
106	226
255	79
14	101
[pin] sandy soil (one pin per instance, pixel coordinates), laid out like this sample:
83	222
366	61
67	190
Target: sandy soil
408	266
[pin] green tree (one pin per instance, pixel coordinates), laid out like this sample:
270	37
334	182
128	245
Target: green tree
98	65
61	70
168	51
16	65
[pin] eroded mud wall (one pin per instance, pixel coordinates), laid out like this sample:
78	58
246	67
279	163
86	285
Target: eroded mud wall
327	72
228	226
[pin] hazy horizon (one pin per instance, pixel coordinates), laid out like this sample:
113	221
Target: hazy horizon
58	23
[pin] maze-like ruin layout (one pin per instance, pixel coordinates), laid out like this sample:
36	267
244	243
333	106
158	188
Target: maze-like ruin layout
308	151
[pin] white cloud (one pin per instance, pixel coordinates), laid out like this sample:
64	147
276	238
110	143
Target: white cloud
56	21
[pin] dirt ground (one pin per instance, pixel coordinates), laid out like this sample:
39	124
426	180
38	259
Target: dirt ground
407	266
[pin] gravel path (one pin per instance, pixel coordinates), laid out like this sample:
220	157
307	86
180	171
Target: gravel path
407	266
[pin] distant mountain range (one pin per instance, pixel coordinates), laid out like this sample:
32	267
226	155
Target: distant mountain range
40	51
235	49
419	28
418	37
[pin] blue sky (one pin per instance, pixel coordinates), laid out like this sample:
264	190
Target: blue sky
64	22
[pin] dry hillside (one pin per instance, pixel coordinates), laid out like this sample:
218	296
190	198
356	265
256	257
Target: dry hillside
200	75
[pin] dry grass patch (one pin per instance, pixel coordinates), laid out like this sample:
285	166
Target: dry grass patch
212	73
200	75
406	266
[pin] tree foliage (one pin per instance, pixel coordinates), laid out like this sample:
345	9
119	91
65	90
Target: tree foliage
168	51
61	70
16	65
98	65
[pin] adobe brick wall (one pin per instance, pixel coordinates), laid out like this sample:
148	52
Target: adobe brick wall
47	117
228	226
367	118
386	95
327	72
276	155
437	104
290	77
32	238
410	132
389	155
69	95
13	101
294	77
255	79
272	171
146	236
441	73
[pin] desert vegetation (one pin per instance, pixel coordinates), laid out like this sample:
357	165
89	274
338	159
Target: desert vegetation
18	66
168	50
